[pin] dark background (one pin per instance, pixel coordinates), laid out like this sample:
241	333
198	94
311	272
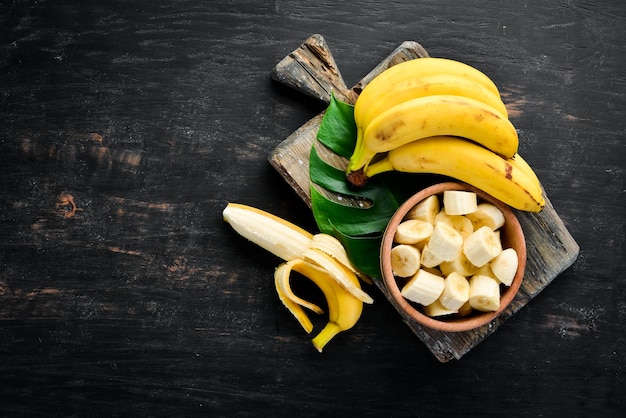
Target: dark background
154	114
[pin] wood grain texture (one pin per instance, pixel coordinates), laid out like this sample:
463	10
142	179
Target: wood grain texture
137	299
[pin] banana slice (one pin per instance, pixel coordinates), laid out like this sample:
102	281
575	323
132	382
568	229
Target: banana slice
486	214
426	210
423	288
460	264
456	291
484	293
413	231
459	222
445	242
459	202
485	271
405	260
504	266
433	270
465	310
429	260
437	309
482	246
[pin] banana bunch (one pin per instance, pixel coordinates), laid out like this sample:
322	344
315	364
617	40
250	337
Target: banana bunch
440	116
450	257
321	258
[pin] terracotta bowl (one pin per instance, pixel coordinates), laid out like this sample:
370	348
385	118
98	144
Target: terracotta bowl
511	235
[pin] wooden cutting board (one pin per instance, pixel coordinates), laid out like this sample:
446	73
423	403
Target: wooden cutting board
312	70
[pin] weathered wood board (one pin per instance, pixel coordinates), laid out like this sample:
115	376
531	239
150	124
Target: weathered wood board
551	249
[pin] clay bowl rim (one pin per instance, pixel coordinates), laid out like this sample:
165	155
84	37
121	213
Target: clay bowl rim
475	320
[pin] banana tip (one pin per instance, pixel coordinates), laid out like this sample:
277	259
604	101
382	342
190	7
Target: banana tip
330	330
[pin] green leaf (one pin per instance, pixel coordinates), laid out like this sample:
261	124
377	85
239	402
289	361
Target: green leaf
338	130
372	217
362	250
359	227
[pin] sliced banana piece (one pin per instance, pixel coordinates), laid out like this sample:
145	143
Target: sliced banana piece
459	202
485	271
426	210
423	288
465	310
456	291
405	260
445	242
459	222
484	293
482	246
486	214
437	309
429	260
460	264
504	266
413	231
433	270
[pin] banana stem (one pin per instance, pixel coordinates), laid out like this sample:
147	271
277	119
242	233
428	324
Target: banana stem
378	167
360	158
330	330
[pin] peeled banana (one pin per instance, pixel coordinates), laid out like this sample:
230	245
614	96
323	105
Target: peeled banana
320	257
344	310
469	162
268	231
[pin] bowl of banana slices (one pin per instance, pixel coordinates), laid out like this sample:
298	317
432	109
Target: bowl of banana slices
453	257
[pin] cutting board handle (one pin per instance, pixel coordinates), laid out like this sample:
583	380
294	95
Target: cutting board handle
312	70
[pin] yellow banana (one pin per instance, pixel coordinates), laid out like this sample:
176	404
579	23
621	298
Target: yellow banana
367	107
433	116
394	79
417	78
344	310
469	162
319	257
340	273
520	163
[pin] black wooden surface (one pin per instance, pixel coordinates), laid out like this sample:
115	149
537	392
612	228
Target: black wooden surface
128	125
